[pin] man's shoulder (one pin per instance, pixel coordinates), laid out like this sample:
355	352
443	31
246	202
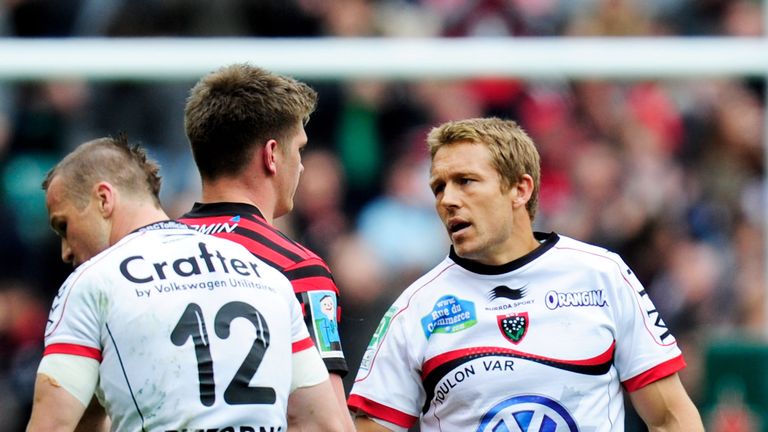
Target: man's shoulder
265	240
582	251
258	236
425	286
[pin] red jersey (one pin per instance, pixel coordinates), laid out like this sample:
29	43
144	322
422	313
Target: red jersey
310	276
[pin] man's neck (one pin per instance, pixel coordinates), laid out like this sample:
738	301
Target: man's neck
235	191
130	220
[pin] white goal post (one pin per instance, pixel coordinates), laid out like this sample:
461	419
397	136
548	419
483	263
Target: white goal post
387	58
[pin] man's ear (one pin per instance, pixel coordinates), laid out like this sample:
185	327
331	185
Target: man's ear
524	189
106	198
269	156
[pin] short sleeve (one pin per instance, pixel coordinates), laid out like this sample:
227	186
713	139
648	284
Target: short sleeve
388	385
300	339
75	317
646	350
319	298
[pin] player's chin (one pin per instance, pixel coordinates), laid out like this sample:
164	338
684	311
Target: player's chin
462	247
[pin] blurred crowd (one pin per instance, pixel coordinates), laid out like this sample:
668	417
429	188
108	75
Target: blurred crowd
668	173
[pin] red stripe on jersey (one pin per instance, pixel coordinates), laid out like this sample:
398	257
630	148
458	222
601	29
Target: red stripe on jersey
441	359
658	372
291	258
312	260
262	251
314	284
252	224
78	350
249	222
375	409
271	234
301	345
263	228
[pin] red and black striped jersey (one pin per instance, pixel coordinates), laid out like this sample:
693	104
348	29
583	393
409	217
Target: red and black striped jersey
310	276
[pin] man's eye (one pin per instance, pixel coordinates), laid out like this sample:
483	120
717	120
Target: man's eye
61	229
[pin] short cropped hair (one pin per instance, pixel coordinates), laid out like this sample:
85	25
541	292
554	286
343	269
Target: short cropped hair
512	151
232	110
113	160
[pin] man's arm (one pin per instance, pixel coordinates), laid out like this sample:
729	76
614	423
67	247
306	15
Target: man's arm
64	386
341	400
54	408
365	424
665	406
94	419
310	409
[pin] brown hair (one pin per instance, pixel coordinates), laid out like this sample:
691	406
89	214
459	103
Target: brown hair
512	151
109	159
238	107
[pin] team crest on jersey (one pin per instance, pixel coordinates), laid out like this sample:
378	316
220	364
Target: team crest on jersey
513	326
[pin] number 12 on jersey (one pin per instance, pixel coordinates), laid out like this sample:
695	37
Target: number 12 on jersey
238	392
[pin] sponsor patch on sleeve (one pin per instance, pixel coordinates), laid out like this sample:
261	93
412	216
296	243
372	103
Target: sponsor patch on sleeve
378	335
323	307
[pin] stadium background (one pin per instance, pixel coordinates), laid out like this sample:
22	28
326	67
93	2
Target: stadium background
668	171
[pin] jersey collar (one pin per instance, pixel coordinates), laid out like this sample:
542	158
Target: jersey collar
547	240
164	224
222	209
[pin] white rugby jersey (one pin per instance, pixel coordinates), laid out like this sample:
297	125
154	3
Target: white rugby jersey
543	343
192	331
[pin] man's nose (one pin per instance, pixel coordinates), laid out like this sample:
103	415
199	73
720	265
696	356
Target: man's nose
450	196
66	252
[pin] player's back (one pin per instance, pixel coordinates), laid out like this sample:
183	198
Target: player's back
310	276
194	332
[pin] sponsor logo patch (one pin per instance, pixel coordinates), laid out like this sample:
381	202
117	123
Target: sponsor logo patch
322	305
529	413
378	335
449	315
555	299
513	326
503	291
382	327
